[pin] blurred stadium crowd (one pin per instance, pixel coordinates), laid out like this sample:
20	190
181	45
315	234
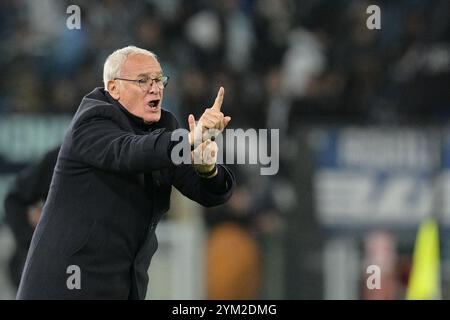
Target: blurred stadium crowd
286	64
315	58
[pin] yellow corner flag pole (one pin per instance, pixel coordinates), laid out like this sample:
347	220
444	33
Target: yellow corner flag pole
424	280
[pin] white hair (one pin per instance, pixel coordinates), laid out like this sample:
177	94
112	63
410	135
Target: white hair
114	62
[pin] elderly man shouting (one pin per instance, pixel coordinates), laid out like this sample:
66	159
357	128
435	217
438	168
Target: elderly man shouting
112	183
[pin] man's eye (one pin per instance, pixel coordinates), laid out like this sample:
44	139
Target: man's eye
143	81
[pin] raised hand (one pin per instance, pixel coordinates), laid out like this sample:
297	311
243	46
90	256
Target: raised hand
213	118
204	155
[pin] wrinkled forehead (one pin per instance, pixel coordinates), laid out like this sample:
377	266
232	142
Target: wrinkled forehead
141	64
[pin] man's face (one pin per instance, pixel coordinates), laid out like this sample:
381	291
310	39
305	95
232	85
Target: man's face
144	103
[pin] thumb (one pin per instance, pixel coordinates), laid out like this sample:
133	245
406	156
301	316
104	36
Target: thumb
226	120
191	121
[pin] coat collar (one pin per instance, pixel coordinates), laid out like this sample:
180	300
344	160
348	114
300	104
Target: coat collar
136	121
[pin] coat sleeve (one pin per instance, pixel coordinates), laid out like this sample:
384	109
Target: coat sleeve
101	142
207	192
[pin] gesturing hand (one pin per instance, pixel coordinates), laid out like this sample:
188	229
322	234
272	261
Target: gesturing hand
213	118
204	156
211	122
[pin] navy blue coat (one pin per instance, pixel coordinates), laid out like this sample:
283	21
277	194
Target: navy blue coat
111	185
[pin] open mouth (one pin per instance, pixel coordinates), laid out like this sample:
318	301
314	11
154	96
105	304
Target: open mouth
153	104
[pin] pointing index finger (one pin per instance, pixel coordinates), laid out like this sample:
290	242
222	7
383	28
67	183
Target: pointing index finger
219	99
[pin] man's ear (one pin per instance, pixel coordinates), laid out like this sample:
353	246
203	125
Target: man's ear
113	89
